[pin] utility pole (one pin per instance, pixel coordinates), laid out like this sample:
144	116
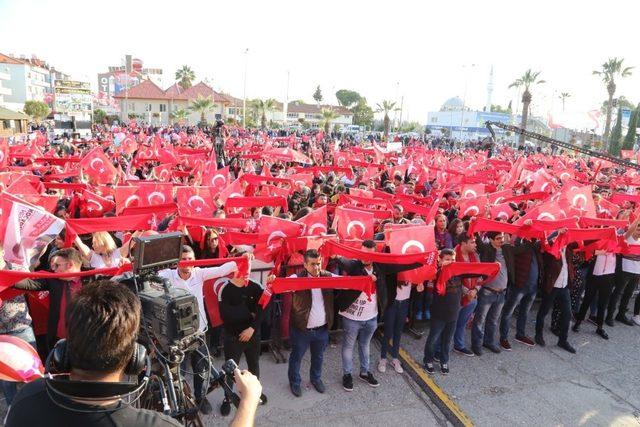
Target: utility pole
244	96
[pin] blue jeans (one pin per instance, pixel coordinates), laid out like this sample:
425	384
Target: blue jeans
458	338
394	317
10	388
463	318
485	322
300	341
516	298
363	332
440	330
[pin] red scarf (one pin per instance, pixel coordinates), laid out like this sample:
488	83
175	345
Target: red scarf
257	201
489	269
330	248
292	284
117	223
237	223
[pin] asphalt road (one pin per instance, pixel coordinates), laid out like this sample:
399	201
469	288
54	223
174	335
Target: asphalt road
598	386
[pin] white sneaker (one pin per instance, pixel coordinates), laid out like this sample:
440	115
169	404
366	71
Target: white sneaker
636	319
397	366
382	365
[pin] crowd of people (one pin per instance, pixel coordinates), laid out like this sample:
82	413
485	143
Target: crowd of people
339	235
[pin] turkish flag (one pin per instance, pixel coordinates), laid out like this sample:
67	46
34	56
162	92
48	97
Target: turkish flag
471	191
499	196
315	223
272	190
163	172
360	193
472	207
606	209
275	230
98	167
353	224
542	182
195	201
501	211
152	194
548	211
94	206
128	145
411	240
579	200
302	180
216	178
127	197
232	190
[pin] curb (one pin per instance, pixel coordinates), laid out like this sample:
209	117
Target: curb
439	397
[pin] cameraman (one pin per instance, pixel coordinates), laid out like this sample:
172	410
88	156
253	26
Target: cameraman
102	322
192	279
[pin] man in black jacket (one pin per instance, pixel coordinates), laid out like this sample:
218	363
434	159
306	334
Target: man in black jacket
359	312
241	315
60	291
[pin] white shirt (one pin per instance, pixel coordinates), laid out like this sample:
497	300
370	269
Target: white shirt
195	283
97	261
364	307
629	265
563	277
403	292
605	264
317	314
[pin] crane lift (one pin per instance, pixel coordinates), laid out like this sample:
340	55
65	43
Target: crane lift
568	146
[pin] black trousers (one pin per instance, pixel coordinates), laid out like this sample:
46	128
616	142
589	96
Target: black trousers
234	348
564	300
622	293
198	361
600	287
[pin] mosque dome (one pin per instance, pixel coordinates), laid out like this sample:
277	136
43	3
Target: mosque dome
452	104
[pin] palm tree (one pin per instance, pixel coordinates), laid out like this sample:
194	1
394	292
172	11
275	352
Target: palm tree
185	76
610	70
263	108
180	115
386	107
528	79
563	96
202	105
328	115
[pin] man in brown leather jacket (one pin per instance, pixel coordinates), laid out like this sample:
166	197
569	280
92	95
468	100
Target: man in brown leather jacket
311	319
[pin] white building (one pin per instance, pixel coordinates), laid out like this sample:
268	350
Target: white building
298	113
29	80
5	90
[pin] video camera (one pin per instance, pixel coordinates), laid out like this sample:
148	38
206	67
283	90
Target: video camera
170	316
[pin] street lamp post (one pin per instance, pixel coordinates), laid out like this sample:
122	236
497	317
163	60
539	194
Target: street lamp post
244	96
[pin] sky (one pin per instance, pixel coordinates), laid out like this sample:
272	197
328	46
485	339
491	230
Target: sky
419	53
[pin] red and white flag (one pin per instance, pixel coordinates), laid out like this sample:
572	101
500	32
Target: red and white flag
98	167
28	230
315	223
93	206
195	201
353	224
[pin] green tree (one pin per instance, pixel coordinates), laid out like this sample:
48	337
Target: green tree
362	113
317	95
621	101
263	107
616	135
37	110
563	97
630	138
608	72
411	127
386	107
202	105
99	115
185	76
496	108
528	79
180	115
347	98
328	116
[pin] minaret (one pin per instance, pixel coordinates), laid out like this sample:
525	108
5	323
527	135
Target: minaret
489	91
